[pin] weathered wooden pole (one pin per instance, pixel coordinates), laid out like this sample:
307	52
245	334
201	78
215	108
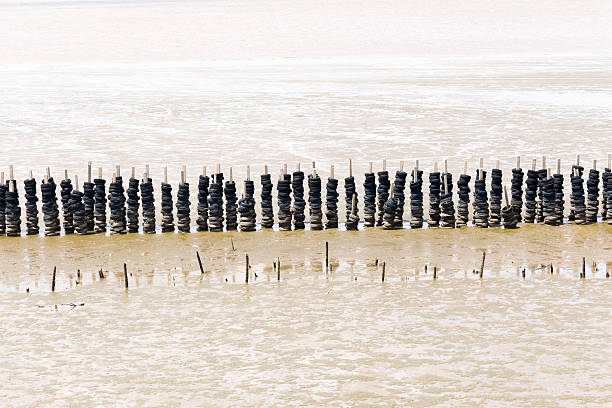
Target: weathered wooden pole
200	262
484	254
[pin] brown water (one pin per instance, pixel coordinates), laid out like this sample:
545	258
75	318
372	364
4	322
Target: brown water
255	83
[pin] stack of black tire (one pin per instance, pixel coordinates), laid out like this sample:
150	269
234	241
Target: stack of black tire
399	188
167	222
416	200
350	191
116	203
516	190
434	199
202	221
496	198
331	203
100	205
352	220
66	190
49	208
315	202
559	197
509	217
531	192
549	202
542	173
592	207
608	174
183	212
463	202
215	204
246	207
89	203
231	209
369	200
12	211
572	213
606	213
390	208
481	202
299	204
78	212
148	206
133	204
31	207
447	207
577	198
383	194
3	189
267	208
283	188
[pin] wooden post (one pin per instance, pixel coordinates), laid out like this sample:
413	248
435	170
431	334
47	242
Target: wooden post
384	164
416	164
370	168
484	254
231	174
65	174
326	256
278	273
125	275
533	164
99	172
30	175
246	276
200	263
497	164
577	160
435	274
11	175
506	196
543	162
118	171
147	170
53	280
218	168
331	171
76	182
401	165
558	166
48	172
518	162
114	179
350	167
248	173
265	169
609	161
203	171
133	172
594	164
89	172
165	174
383	271
435	167
465	167
182	177
285	168
583	268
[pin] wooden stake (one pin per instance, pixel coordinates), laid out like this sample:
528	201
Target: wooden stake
314	165
165	174
248	173
445	166
383	270
543	162
350	167
48	173
533	164
182	177
465	167
284	168
53	280
583	268
401	165
265	169
518	162
89	172
133	172
326	256
278	270
506	196
548	173
125	275
231	174
100	172
496	164
30	174
246	273
484	254
203	171
2	177
416	165
384	165
299	166
331	172
594	164
435	274
76	182
609	161
65	174
147	170
558	166
577	160
144	177
114	179
435	167
370	168
11	176
118	171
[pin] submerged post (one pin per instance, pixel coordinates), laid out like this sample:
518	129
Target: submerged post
246	272
200	262
484	254
53	281
125	275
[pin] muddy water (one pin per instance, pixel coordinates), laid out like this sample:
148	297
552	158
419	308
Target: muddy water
200	83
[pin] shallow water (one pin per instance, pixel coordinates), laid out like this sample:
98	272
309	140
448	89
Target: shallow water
194	83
